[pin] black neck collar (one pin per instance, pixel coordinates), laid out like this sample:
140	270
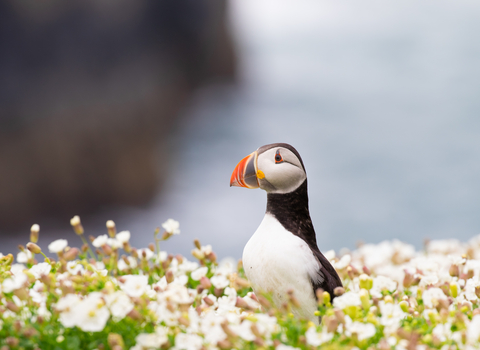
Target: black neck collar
291	210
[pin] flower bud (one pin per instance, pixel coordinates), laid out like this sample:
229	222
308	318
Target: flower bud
151	246
365	299
339	291
71	254
388	299
453	289
77	225
169	276
197	244
205	282
198	254
326	298
339	315
12	342
366	282
115	339
112	230
34	248
404	305
34	232
454	271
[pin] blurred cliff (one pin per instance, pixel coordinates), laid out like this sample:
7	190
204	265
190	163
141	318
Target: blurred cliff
89	94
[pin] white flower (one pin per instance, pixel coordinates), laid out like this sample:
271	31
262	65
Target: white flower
244	330
226	267
152	340
24	256
473	331
171	226
66	305
119	304
74	267
381	283
57	246
315	338
432	296
132	263
134	285
14	282
392	315
147	252
210	327
470	287
40	269
123	236
91	313
330	255
344	262
100	241
348	299
219	281
114	243
443	331
428	280
188	266
185	341
199	273
286	347
363	330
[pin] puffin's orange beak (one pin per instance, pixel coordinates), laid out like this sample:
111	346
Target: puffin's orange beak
245	173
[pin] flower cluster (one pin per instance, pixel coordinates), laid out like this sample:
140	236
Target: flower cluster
110	295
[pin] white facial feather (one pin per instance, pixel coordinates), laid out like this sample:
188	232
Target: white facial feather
283	177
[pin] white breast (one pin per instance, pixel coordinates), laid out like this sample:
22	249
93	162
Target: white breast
275	261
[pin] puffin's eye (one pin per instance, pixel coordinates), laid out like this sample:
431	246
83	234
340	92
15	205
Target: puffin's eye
278	157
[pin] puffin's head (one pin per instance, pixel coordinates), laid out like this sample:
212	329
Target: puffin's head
275	168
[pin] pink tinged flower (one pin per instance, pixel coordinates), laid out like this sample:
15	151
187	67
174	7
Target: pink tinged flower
119	304
135	285
171	226
184	341
100	241
57	246
40	269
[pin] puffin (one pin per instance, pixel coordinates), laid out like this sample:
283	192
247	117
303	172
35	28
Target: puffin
282	255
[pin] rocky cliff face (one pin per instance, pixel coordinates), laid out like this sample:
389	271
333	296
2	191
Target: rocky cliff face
89	94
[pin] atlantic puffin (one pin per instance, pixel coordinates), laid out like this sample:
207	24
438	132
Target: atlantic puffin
282	254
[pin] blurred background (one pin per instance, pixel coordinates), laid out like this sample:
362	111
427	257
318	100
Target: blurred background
139	111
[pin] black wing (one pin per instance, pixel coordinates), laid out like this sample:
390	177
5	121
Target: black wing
330	278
